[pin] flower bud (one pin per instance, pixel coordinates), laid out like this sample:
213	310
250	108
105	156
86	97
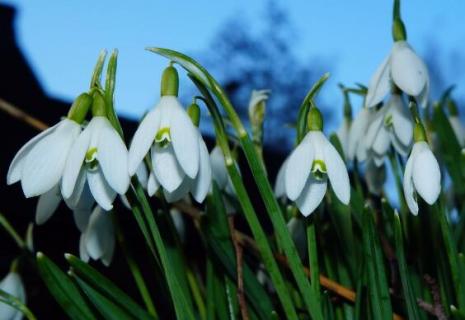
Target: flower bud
315	119
80	107
170	82
98	105
194	113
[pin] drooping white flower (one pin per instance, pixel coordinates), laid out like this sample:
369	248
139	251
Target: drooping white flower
405	70
310	165
219	171
391	124
97	240
357	148
98	158
13	285
422	175
39	164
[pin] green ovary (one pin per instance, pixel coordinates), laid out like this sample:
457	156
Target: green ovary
319	169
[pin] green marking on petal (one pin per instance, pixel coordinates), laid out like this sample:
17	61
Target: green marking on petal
91	158
319	169
163	137
388	120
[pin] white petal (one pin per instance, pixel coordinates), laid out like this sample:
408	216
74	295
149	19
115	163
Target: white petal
220	174
13	285
280	187
107	256
47	205
74	162
142	174
357	134
298	168
375	125
409	191
16	166
184	140
113	158
378	160
178	222
75	197
424	95
179	193
311	195
166	168
44	164
143	139
83	209
103	194
82	248
202	181
343	135
379	84
408	71
400	148
337	173
426	174
152	185
401	120
382	141
99	233
458	129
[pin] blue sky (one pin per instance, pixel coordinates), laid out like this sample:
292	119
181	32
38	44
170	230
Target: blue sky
62	38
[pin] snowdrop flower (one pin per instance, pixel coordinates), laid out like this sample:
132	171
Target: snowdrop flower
98	238
357	148
422	175
197	186
13	285
402	68
311	164
98	157
392	124
170	136
39	164
459	131
343	135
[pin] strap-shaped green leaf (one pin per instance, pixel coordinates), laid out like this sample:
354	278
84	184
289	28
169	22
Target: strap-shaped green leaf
63	289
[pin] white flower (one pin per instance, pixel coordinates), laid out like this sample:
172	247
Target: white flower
308	169
173	140
357	148
422	176
458	129
98	157
98	238
343	135
391	124
39	164
406	71
13	285
198	186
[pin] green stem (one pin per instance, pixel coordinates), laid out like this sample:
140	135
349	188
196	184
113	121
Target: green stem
193	284
313	258
135	271
12	232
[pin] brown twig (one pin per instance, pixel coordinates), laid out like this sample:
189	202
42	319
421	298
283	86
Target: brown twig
436	308
240	280
19	114
242	239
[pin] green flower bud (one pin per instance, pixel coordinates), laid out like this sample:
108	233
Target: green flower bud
314	119
194	113
452	106
80	107
399	33
98	106
170	82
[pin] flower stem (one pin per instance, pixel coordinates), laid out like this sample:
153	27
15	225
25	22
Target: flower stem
313	258
11	231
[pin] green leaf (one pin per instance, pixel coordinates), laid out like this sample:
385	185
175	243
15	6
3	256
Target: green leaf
106	287
17	304
409	295
63	289
107	308
96	76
